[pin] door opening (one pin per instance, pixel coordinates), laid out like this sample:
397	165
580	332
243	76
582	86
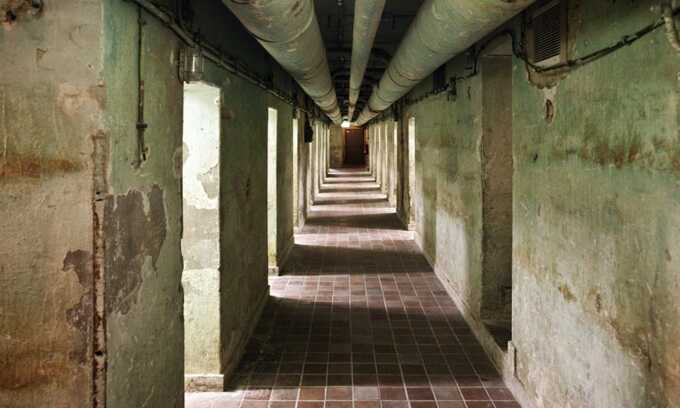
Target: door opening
296	170
412	172
272	214
497	173
354	147
200	237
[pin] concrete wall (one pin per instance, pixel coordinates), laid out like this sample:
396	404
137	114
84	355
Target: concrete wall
303	171
336	145
143	213
85	213
595	215
51	103
497	169
285	209
200	222
597	221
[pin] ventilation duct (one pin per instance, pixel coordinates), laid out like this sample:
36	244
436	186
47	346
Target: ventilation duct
367	16
441	30
289	31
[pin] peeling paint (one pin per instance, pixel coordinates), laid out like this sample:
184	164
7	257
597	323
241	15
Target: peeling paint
133	235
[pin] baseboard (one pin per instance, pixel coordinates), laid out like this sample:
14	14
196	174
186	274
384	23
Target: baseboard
203	382
286	254
419	243
230	369
503	361
403	223
302	220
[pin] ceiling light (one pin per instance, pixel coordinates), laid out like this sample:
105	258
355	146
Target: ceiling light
345	124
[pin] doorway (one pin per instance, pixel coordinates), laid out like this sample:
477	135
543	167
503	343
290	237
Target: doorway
272	214
412	172
354	147
296	172
200	237
497	196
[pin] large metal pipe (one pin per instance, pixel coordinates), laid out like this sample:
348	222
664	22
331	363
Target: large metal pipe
367	16
289	31
441	30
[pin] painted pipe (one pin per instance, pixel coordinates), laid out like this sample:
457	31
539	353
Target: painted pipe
441	30
289	31
367	16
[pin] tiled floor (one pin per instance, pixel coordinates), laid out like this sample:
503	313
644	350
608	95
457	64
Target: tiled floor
359	320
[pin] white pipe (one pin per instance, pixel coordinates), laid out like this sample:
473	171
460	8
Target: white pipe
289	31
441	30
367	16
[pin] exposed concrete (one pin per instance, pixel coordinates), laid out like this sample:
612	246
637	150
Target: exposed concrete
284	178
146	364
51	103
337	146
200	237
142	222
496	152
272	189
243	200
303	174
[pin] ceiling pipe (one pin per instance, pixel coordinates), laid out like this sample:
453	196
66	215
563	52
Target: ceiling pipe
367	17
289	31
441	30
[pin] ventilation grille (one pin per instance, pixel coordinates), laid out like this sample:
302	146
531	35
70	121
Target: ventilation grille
548	33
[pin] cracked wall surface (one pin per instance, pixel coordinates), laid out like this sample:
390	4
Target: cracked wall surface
200	225
594	317
142	216
51	102
598	218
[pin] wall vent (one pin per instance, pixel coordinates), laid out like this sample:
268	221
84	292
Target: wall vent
548	34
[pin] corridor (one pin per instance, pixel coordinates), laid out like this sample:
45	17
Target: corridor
339	204
359	320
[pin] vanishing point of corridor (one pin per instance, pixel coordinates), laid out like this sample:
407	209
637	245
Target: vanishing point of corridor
359	320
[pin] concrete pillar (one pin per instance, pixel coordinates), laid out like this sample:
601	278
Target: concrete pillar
200	240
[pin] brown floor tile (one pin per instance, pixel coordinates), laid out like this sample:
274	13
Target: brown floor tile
359	310
338	393
392	393
312	394
474	394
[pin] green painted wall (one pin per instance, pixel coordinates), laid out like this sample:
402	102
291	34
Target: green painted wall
596	209
145	330
143	211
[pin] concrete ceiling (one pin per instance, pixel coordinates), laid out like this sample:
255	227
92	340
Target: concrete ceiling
336	20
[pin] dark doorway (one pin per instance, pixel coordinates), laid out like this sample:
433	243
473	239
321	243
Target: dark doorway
354	147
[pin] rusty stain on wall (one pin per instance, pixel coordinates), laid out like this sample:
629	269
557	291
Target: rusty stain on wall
35	167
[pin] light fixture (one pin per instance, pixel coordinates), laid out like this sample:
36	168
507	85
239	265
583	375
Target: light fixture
345	124
192	64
